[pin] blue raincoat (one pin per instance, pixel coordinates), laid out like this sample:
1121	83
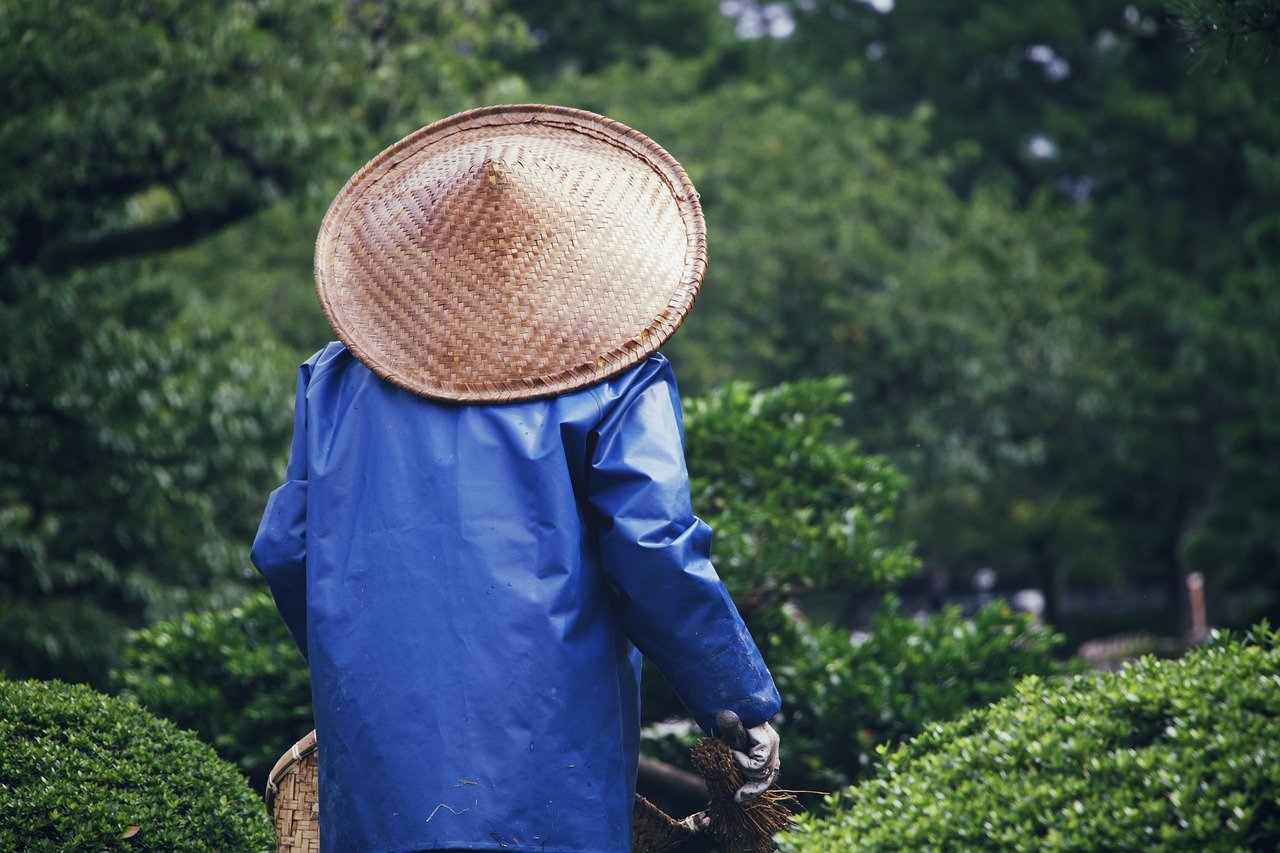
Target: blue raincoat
469	585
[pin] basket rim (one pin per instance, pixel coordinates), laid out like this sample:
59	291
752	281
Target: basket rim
292	757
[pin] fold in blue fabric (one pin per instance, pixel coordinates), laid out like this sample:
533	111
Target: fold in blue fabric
470	586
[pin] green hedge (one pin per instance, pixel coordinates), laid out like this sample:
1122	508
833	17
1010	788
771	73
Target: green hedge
83	771
1166	755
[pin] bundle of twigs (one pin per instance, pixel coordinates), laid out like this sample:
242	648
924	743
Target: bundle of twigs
741	829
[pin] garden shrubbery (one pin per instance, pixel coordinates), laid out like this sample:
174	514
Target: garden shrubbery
842	698
795	504
233	676
83	771
1161	755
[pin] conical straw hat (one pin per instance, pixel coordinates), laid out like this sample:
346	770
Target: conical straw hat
511	252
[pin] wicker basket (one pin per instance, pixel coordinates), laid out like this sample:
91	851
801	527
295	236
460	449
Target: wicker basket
293	801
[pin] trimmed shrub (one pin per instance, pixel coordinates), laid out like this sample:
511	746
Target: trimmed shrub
83	771
232	676
1162	755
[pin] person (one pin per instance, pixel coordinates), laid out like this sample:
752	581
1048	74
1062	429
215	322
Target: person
486	515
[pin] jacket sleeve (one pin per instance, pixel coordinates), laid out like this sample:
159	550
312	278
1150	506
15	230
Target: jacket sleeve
280	548
672	603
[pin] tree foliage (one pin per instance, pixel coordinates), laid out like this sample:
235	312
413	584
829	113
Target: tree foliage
1038	247
583	36
133	127
136	125
969	327
132	451
1226	31
141	427
1174	177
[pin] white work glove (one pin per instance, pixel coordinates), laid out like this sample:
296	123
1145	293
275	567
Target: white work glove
755	752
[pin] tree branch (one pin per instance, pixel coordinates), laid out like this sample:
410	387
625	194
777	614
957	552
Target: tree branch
158	237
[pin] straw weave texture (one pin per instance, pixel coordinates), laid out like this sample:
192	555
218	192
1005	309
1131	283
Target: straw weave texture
293	798
511	252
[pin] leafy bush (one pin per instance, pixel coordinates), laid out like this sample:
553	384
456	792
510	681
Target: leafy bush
83	771
796	506
843	698
1161	755
134	453
233	676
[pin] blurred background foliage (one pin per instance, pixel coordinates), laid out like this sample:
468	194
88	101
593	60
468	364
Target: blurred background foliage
992	284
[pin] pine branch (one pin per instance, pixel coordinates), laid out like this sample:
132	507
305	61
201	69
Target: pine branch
1223	32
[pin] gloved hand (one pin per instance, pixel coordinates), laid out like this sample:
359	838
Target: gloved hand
755	752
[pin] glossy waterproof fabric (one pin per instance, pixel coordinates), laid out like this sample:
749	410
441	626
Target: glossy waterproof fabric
469	584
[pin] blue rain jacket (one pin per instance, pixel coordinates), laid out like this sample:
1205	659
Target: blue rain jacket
470	584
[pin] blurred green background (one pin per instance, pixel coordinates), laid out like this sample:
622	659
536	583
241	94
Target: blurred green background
1038	244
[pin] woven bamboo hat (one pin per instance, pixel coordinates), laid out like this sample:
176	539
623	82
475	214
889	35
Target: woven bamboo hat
511	252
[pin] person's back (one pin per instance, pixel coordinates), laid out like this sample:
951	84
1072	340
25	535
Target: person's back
467	581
